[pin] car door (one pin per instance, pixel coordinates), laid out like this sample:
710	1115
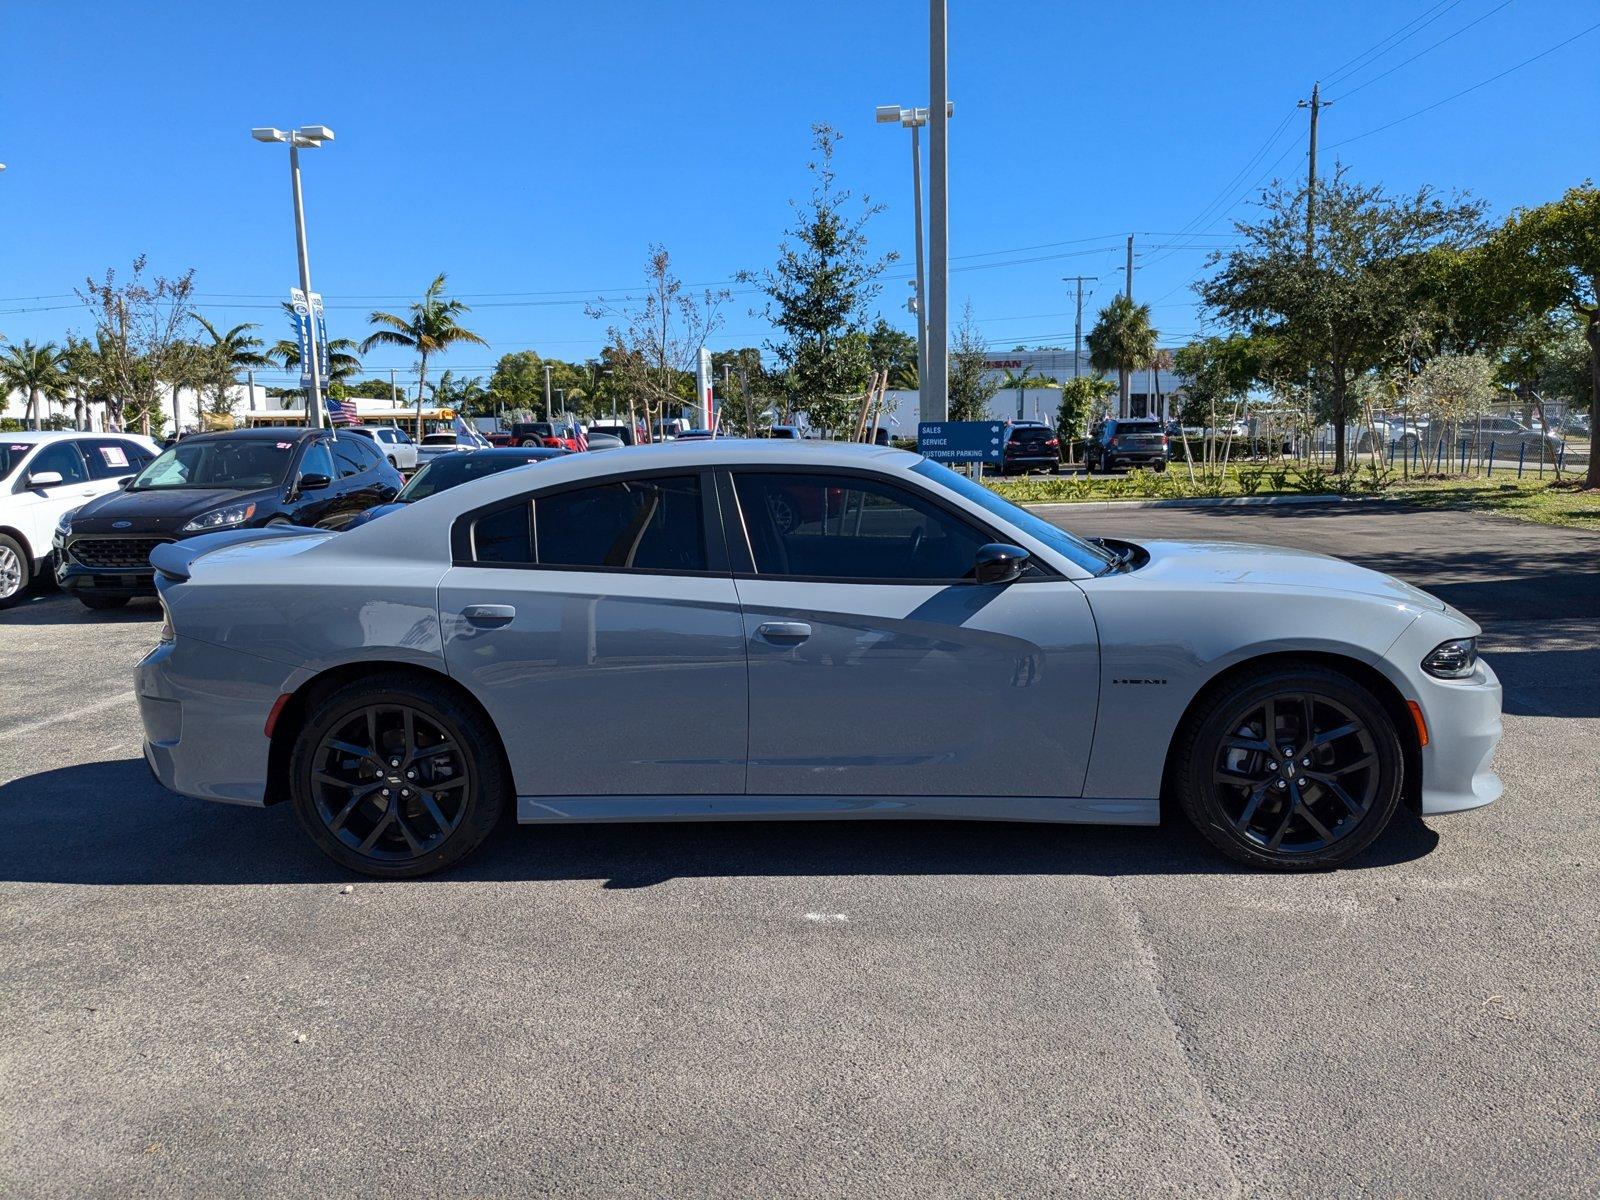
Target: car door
37	508
878	667
313	506
598	625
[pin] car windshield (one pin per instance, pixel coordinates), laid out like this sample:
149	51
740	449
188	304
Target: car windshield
1085	554
219	463
445	473
12	453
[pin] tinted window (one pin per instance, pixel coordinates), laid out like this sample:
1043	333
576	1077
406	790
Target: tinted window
317	461
253	462
347	454
847	527
62	457
644	524
503	537
444	473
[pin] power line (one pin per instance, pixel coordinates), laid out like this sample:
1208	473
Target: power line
1464	91
1378	49
1407	62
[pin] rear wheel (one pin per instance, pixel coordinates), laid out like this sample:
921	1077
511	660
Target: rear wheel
394	777
1292	769
16	571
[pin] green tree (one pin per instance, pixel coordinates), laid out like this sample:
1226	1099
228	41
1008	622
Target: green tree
518	382
1081	397
892	350
972	385
1344	309
38	372
430	328
138	328
85	380
230	353
1556	249
818	291
1122	340
467	397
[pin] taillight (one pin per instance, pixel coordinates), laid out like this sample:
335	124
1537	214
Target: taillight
1112	442
1053	442
167	632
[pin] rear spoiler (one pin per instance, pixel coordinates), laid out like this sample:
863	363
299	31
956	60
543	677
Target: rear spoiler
174	559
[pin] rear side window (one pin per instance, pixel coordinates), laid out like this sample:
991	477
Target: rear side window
113	458
347	454
652	524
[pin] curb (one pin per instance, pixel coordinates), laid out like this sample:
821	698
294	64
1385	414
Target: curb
1196	502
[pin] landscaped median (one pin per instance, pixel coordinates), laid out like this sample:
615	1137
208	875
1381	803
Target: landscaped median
1546	500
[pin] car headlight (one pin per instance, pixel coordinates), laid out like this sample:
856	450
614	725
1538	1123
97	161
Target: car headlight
1453	659
221	518
64	525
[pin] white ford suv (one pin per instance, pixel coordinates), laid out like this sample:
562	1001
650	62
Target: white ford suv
45	476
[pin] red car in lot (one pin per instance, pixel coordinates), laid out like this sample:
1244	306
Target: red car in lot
535	433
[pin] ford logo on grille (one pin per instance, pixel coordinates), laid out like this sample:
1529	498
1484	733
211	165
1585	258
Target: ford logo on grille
121	524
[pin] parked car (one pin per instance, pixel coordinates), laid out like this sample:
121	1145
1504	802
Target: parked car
603	441
787	433
695	435
383	680
447	471
623	433
1507	435
1030	446
537	433
1126	442
396	444
247	478
43	478
446	441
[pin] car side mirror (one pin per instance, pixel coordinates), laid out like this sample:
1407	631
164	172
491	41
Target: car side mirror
125	481
43	479
313	483
999	563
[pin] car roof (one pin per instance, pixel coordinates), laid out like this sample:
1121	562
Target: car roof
18	436
509	452
260	433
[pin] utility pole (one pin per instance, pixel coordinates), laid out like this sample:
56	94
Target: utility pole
1077	324
1125	380
250	384
936	378
1316	104
394	389
548	415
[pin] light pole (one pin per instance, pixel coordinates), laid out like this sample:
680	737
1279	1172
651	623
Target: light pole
914	119
309	136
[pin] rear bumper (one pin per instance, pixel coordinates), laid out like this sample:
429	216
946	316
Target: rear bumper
1031	461
222	756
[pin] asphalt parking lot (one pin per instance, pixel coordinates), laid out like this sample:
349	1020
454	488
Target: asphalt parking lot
190	1005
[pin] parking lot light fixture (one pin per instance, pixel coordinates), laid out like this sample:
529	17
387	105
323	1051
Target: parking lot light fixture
309	137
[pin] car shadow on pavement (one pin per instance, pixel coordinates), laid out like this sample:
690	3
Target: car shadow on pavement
56	608
110	823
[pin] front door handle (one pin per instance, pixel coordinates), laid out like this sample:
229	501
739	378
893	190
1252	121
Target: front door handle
488	616
784	631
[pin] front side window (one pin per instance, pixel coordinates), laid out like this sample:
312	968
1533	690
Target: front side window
652	524
317	461
847	527
63	458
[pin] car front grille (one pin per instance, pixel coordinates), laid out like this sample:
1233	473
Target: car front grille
115	552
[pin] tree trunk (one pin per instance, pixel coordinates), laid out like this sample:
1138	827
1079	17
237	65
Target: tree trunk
422	379
1338	423
1592	334
32	413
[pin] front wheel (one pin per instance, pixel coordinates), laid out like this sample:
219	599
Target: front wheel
16	571
1290	768
395	777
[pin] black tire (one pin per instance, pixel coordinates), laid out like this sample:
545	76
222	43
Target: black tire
1282	814
461	763
392	461
103	603
526	442
1159	465
16	571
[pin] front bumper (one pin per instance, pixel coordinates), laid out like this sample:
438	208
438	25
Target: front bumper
1464	728
82	578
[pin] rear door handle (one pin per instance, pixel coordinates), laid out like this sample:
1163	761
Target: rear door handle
784	631
488	616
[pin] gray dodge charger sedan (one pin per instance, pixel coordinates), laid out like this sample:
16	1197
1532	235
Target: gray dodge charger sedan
770	630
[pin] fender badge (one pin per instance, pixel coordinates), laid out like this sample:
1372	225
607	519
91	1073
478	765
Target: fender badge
1140	681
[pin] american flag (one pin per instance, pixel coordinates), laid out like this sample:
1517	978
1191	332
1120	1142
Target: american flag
339	412
579	437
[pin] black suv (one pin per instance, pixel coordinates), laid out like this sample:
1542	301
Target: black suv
1030	446
1126	442
212	481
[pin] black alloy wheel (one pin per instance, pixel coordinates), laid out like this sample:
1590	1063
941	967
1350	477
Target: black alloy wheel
1296	770
396	780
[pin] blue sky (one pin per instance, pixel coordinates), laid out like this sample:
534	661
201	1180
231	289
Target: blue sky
535	150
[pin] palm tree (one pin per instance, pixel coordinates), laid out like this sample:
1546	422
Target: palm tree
430	329
1122	339
344	362
35	371
228	354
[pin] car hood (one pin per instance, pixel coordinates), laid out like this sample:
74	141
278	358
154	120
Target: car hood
1210	563
158	510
